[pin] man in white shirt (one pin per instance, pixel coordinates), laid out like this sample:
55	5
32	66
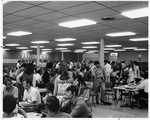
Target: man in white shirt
31	94
107	71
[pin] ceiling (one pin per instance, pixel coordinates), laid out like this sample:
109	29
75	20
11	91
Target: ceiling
42	18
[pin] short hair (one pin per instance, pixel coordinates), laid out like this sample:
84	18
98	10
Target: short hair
28	81
96	62
52	104
50	86
7	79
73	89
9	103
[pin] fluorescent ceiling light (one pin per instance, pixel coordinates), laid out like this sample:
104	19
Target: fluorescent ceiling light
89	47
36	46
6	49
65	39
46	52
108	48
39	42
137	13
67	44
61	48
119	50
19	33
21	47
80	50
113	45
93	51
130	48
89	43
141	49
120	34
65	50
139	39
4	37
13	44
27	50
77	23
46	49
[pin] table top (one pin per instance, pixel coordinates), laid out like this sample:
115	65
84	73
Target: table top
126	88
30	115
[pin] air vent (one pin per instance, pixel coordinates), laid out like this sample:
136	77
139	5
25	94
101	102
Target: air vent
108	18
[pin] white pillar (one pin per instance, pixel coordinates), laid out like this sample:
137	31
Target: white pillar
38	55
62	56
101	53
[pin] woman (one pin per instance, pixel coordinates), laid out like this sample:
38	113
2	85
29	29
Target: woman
63	80
131	71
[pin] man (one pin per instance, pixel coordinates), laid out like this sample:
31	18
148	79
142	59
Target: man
76	105
9	105
52	106
31	94
107	70
99	82
9	89
143	89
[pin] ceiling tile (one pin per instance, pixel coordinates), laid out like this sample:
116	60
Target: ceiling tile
31	12
11	18
83	8
14	6
35	2
41	25
57	5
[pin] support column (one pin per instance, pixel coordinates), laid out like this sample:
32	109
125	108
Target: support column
101	53
38	55
62	56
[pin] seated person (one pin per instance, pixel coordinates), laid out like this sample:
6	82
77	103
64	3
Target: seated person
9	107
50	89
52	106
9	89
77	107
31	94
143	89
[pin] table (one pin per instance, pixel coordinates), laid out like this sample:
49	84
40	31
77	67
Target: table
127	88
30	115
42	90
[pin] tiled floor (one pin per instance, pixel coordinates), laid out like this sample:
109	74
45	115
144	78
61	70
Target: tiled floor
115	111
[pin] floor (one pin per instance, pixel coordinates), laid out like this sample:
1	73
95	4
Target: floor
115	111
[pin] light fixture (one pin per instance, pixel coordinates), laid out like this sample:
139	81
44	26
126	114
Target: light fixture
46	52
77	23
46	49
89	47
61	48
21	47
119	50
65	50
36	46
6	49
89	43
113	46
140	49
4	37
67	44
138	39
39	42
130	48
19	33
78	51
65	39
106	51
118	34
137	13
27	50
93	51
12	44
108	48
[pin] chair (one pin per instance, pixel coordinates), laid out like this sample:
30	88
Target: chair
109	89
143	99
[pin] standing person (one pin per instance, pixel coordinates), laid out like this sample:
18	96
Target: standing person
136	69
99	82
131	72
77	107
52	106
63	80
18	64
107	70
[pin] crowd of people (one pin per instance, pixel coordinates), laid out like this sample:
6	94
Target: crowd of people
66	80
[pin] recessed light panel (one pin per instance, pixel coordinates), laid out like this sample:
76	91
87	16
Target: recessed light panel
119	50
118	34
27	50
13	44
139	39
6	49
65	39
65	50
140	49
137	13
4	37
108	48
39	42
46	49
61	48
36	47
21	47
130	48
113	45
89	47
77	23
89	43
19	33
67	44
